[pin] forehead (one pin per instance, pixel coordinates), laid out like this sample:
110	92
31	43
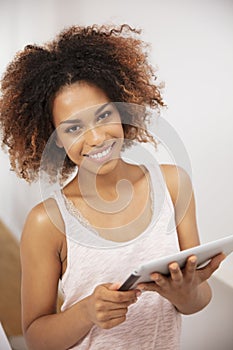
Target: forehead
76	98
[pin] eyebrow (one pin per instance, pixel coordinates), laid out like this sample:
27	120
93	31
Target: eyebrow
99	110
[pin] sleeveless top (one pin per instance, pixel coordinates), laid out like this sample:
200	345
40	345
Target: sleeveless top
152	322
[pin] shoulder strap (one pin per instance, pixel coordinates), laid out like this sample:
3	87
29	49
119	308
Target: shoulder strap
78	232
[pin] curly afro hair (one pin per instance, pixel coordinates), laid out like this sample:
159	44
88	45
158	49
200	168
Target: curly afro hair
112	58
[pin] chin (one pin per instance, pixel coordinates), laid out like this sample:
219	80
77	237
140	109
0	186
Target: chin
100	169
108	167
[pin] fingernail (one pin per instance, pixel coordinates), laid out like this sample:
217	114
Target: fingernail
193	260
157	280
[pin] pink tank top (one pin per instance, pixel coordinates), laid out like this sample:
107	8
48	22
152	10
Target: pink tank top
152	322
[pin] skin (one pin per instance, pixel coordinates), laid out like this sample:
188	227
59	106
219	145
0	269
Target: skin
106	307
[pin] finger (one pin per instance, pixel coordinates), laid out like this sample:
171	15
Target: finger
159	281
211	267
109	306
149	287
112	323
116	296
190	267
219	258
175	272
108	315
114	286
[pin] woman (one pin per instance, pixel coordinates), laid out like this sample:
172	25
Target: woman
72	104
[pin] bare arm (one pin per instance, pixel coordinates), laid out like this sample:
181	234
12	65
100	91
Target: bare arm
188	289
41	268
43	327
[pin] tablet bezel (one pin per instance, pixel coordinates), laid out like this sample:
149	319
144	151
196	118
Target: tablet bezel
204	253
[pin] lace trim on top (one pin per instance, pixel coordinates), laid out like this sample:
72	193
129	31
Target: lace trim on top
73	210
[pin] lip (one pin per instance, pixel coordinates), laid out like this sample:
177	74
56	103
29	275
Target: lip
101	154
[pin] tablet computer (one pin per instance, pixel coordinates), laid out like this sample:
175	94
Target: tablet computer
203	253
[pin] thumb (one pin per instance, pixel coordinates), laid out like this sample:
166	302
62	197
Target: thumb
114	286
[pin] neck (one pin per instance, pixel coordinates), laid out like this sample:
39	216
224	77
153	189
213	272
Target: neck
110	192
91	184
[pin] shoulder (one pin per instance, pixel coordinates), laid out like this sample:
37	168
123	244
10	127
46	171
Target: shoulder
177	180
46	214
44	225
42	253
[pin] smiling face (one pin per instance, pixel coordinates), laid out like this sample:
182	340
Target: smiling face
88	126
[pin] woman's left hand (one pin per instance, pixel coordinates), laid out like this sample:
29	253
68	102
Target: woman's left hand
181	286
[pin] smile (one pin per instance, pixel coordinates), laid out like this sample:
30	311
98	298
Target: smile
100	156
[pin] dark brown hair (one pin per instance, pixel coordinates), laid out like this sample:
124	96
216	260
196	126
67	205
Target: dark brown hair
112	58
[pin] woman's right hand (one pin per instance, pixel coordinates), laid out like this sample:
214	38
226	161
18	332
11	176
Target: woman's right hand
107	307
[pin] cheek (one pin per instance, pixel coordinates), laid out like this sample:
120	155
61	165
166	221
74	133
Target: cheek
116	130
72	145
74	150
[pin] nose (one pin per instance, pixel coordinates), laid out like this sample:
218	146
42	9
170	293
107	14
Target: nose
95	136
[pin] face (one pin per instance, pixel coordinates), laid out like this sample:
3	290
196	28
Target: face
88	126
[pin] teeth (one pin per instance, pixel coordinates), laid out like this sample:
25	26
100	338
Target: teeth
101	154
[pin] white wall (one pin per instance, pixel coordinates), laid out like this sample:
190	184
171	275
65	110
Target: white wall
211	328
192	47
23	22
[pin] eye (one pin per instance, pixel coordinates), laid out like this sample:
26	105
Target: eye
104	115
73	129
